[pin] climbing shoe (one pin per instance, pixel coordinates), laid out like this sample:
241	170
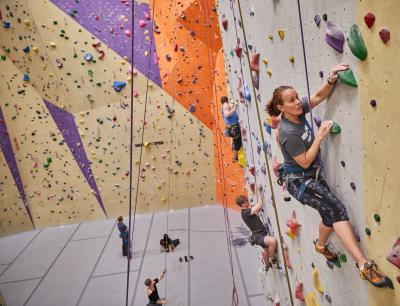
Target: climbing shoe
371	273
267	266
326	250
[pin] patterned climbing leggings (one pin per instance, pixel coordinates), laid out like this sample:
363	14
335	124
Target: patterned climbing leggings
318	196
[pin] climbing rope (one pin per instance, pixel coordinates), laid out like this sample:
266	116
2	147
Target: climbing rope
235	298
266	157
131	233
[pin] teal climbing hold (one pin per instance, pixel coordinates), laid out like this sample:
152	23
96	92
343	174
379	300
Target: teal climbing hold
347	77
356	43
336	128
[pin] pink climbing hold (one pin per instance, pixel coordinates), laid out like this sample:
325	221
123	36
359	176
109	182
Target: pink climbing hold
394	255
299	291
384	34
135	93
334	37
254	64
128	33
142	23
147	16
252	187
369	19
224	22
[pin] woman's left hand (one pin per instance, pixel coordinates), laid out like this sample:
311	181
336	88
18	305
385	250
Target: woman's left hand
334	73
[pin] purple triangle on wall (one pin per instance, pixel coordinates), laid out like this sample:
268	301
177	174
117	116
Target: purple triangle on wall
67	126
6	148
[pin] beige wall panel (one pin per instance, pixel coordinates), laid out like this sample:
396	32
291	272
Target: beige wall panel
60	194
13	215
379	76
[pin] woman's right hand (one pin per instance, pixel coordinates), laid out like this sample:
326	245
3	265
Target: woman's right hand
324	129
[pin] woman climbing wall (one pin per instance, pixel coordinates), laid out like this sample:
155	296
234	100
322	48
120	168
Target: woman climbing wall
302	172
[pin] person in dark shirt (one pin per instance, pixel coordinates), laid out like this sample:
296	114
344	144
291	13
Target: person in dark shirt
120	223
167	244
152	291
125	241
259	234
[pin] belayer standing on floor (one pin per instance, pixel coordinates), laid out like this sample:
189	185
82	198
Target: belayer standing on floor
152	291
259	234
232	127
302	165
167	244
125	241
120	223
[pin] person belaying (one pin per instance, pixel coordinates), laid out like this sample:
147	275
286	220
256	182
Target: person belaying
302	171
125	241
120	223
167	244
232	127
152	291
259	234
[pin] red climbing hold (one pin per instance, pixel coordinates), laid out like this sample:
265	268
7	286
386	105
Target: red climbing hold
275	121
252	170
299	291
255	62
238	51
224	22
369	19
384	34
252	187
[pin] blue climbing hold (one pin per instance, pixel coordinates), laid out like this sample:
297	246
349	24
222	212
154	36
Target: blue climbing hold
192	108
6	24
247	94
26	77
118	86
268	128
26	49
88	57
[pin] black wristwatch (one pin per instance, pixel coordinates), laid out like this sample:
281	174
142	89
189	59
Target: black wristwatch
329	81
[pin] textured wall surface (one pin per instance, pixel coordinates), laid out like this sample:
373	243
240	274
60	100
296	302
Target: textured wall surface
254	27
65	130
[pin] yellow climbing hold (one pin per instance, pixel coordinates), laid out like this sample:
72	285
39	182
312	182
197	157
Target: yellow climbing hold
51	74
163	200
122	62
311	299
281	34
316	281
265	61
146	53
290	234
53	44
241	158
269	71
270	37
136	162
291	59
146	144
35	49
27	22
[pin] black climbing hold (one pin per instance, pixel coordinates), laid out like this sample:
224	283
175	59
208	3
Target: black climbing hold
377	217
353	185
373	103
328	298
287	199
343	163
367	231
186	259
191	257
312	265
325	17
321	74
180	259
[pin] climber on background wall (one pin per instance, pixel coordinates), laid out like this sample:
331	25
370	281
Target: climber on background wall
232	127
259	234
300	149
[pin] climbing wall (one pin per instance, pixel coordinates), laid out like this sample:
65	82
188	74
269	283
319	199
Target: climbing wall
66	83
356	164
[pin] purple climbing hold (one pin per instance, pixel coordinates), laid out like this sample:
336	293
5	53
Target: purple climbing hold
330	264
317	20
373	103
321	74
353	185
256	80
317	120
334	37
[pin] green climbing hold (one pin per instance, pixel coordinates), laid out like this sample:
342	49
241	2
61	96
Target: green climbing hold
377	217
46	165
336	262
343	258
231	53
347	77
49	160
3	57
368	231
336	128
90	73
356	43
